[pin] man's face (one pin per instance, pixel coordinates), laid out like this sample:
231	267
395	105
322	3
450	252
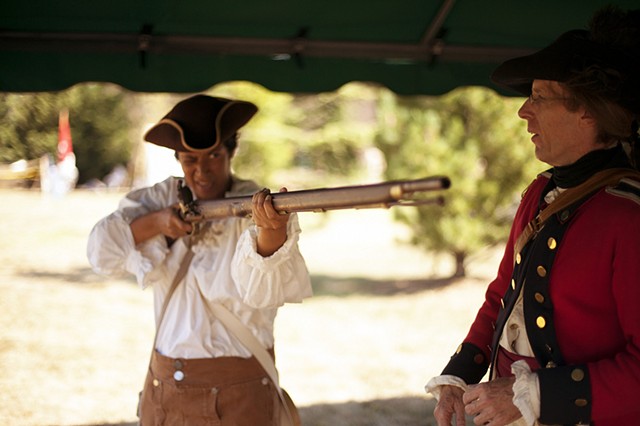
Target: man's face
560	136
207	173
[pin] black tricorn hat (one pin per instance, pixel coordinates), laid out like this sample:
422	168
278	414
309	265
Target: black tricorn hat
575	55
200	123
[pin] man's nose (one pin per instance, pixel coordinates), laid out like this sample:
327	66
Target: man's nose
202	167
525	110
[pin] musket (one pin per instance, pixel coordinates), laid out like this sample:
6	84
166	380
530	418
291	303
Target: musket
379	195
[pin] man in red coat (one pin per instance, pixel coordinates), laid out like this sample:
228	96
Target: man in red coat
560	324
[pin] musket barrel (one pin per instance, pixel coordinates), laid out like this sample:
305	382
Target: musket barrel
316	200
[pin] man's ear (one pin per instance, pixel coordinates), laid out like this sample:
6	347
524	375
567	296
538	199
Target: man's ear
587	119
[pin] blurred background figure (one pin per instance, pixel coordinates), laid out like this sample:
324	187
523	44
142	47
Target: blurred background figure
60	177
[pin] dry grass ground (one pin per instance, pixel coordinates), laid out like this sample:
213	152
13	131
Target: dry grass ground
74	346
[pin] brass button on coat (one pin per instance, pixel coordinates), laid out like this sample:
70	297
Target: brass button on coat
478	358
518	258
541	271
581	402
577	375
156	382
539	297
552	243
541	322
564	215
513	284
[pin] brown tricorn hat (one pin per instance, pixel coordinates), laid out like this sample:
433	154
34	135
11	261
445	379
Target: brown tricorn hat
200	123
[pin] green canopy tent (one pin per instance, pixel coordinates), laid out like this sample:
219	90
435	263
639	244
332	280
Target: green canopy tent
409	46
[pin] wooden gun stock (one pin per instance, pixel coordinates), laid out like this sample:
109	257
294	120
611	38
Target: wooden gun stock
380	195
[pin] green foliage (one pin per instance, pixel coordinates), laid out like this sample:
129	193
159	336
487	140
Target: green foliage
29	126
99	120
101	128
295	140
473	136
265	145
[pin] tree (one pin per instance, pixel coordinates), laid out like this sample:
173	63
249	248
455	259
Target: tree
99	119
473	136
29	126
101	127
297	139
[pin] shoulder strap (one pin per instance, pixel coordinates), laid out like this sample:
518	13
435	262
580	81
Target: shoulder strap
246	337
570	196
182	271
239	330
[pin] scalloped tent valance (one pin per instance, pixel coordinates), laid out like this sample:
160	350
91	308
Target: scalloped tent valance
186	46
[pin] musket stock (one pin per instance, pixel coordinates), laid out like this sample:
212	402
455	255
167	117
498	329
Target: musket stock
380	195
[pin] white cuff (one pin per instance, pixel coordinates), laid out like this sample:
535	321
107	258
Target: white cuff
434	385
526	392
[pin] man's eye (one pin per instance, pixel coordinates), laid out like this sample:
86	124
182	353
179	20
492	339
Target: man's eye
535	98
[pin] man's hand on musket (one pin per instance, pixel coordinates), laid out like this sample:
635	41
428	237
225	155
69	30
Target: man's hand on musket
272	226
166	221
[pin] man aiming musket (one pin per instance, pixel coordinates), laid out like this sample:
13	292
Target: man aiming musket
200	371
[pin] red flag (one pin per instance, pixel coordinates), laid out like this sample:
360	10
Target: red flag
64	136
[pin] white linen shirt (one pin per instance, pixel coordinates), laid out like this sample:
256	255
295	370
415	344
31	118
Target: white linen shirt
225	268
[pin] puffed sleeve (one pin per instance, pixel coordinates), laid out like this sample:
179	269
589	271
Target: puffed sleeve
111	249
267	282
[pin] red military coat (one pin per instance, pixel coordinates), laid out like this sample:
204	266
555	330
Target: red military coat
588	294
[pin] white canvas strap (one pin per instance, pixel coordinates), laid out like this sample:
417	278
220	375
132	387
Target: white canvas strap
182	272
244	335
237	328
